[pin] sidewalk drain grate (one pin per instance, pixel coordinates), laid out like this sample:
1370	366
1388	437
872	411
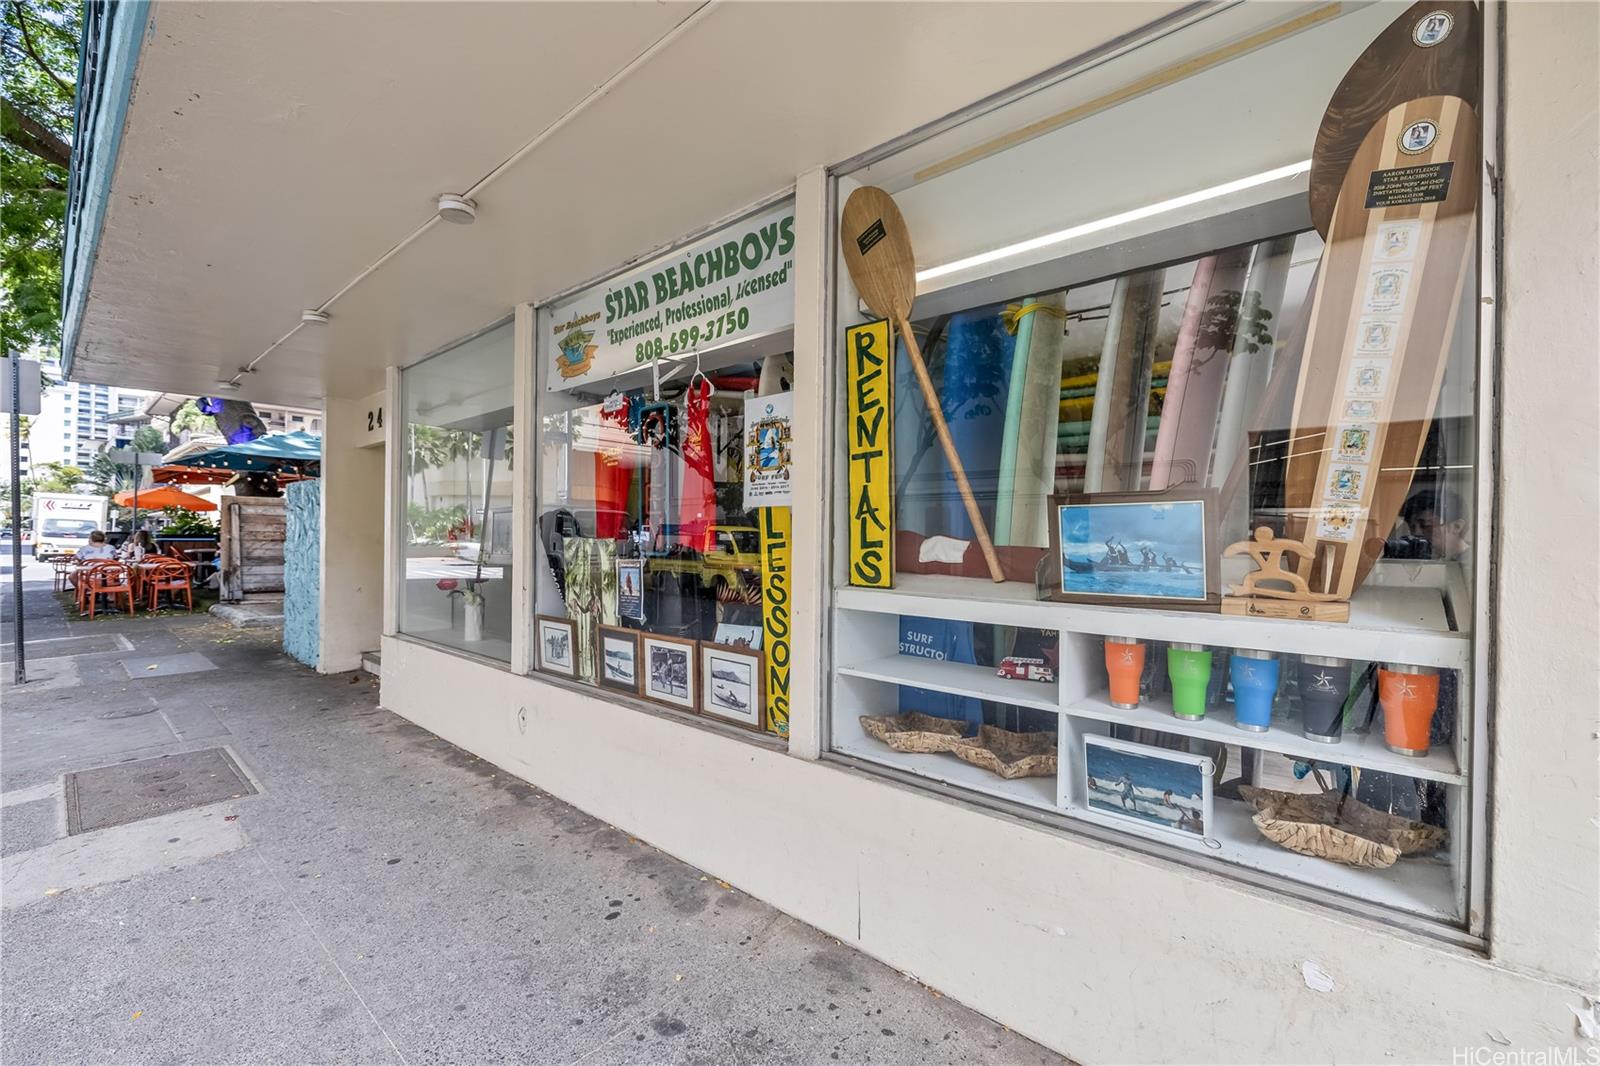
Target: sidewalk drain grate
133	791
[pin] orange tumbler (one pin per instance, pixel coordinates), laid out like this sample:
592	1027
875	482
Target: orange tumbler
1409	695
1125	665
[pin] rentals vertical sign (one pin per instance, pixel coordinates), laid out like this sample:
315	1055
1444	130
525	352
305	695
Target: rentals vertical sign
869	433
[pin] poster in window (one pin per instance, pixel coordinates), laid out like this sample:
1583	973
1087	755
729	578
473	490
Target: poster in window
869	431
768	460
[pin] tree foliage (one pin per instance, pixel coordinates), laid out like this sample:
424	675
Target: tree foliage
39	41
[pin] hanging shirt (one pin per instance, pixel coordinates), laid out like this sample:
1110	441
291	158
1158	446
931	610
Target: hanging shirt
697	502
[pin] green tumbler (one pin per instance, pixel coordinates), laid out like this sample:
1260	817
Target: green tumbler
1189	667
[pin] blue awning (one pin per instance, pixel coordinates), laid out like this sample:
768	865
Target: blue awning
273	453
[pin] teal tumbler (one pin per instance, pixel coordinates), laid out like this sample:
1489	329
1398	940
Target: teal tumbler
1255	686
1189	668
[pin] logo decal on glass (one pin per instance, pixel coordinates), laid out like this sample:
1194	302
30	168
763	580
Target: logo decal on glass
1432	28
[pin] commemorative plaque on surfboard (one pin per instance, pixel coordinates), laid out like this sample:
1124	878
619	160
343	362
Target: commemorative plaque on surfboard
1383	317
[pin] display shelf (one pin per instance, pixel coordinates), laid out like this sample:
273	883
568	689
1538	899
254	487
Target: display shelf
1364	750
960	679
1421	884
1387	622
1033	791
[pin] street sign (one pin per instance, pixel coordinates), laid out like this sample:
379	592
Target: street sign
28	371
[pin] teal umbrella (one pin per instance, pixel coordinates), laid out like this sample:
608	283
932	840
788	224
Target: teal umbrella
298	452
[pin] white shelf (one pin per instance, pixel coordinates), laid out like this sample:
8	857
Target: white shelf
1033	791
960	679
1420	884
1387	622
1367	751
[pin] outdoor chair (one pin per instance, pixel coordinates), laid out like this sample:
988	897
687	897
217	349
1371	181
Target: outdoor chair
111	580
81	579
63	571
171	578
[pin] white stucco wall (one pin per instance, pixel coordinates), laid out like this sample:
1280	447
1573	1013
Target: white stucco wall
1098	951
353	480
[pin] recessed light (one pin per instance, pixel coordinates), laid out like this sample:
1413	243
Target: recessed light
314	318
457	209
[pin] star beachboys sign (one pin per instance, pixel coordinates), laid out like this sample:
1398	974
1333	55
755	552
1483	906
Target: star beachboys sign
731	285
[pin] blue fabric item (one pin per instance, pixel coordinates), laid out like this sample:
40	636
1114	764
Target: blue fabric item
940	639
974	390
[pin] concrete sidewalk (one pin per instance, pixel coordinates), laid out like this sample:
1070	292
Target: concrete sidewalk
384	897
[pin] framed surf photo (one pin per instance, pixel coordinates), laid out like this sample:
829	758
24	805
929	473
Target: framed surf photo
619	659
556	652
730	685
668	671
1136	548
1156	788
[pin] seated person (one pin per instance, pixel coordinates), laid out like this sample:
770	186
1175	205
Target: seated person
137	547
97	548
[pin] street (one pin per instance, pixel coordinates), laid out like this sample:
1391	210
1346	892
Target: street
381	897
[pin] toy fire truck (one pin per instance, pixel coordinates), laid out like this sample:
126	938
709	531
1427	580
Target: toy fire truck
1018	668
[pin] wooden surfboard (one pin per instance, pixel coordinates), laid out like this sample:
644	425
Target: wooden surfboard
1383	316
1434	49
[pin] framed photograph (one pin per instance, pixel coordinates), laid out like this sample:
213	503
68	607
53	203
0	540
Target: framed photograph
730	682
1155	787
739	636
556	654
1136	548
669	670
619	659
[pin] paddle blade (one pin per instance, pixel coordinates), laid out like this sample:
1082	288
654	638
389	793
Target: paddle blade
877	252
1434	49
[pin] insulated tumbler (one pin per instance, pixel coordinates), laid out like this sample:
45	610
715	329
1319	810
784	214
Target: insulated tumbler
1124	665
1409	695
1324	686
1255	684
1189	668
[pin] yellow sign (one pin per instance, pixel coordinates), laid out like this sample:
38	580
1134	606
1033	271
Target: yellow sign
776	537
869	432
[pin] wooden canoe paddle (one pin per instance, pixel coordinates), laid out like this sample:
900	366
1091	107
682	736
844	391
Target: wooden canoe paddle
877	252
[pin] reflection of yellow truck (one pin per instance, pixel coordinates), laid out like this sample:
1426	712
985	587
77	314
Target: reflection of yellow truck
735	562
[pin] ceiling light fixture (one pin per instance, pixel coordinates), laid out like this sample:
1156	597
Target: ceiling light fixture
457	209
230	386
314	317
1110	221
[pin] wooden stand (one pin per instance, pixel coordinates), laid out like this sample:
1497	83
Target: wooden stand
1253	597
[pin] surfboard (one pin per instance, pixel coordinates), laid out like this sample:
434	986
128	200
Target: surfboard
1114	459
1199	367
1383	317
974	389
1434	49
1028	457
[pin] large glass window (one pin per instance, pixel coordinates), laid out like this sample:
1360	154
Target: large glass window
455	588
1225	452
659	388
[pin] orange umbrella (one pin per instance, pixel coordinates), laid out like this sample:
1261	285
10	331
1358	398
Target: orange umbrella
154	499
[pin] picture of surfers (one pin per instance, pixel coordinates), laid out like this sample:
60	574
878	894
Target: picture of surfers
617	661
669	672
728	684
1151	550
1165	792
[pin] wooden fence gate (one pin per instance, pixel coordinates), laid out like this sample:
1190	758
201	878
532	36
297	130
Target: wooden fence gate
251	546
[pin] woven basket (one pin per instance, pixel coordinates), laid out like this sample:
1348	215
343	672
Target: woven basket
1338	827
1009	754
914	732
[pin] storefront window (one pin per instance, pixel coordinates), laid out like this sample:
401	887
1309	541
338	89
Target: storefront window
1222	440
664	416
455	588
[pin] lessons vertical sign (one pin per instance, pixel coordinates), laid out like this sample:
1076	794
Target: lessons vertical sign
869	433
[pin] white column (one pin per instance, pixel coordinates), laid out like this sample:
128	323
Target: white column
352	592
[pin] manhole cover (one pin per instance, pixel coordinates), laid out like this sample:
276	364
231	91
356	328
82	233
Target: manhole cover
132	791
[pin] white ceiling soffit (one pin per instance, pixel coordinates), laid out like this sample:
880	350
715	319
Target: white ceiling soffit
274	151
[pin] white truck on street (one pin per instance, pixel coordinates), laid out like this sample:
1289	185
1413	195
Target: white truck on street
62	522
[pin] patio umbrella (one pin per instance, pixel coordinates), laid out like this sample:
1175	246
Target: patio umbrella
297	452
161	496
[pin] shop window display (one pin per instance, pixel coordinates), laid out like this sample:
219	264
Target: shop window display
1184	539
665	428
455	587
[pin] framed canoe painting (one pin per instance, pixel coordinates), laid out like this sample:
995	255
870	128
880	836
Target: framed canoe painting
1149	548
